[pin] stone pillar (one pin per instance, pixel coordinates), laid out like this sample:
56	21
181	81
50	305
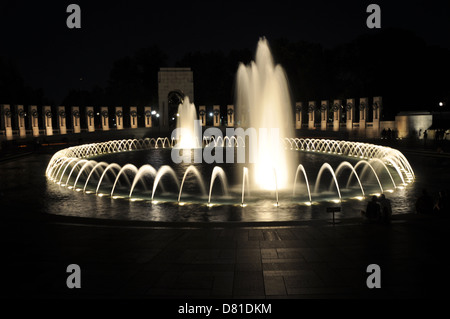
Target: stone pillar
298	115
133	117
105	118
323	115
34	122
148	116
76	126
363	108
377	107
47	117
90	121
61	113
230	115
337	106
311	114
6	120
119	118
216	115
20	116
350	113
202	114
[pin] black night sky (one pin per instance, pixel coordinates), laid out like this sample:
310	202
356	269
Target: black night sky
50	56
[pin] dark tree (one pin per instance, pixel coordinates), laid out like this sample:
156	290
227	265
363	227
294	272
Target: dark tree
13	89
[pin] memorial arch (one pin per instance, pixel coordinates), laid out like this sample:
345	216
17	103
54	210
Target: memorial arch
174	84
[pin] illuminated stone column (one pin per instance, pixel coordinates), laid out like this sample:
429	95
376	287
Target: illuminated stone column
34	122
311	114
323	115
6	120
90	121
216	115
350	113
119	118
47	117
148	116
202	114
337	105
133	117
363	108
76	126
230	115
376	108
20	116
298	115
62	120
105	118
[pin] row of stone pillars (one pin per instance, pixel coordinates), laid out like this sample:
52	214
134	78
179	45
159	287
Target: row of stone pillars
33	115
324	108
337	109
216	115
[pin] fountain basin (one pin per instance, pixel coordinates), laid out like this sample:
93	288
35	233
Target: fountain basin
327	172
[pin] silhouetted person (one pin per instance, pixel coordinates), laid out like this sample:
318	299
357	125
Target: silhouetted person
389	133
424	204
386	209
442	203
425	136
373	210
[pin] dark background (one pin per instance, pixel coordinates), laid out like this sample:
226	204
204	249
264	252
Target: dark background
325	47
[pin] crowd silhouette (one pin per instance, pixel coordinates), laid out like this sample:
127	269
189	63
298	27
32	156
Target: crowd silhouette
389	134
426	204
379	209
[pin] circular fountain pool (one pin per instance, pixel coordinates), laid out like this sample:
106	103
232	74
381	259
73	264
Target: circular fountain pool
139	173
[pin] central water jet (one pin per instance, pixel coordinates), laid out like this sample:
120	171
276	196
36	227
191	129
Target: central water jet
263	100
186	133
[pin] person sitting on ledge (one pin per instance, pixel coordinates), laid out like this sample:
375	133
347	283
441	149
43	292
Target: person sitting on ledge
373	210
424	204
386	209
442	203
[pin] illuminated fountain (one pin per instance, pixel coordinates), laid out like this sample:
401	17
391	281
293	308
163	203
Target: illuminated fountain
287	171
186	133
387	168
263	92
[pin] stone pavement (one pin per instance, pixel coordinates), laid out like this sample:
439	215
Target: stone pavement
314	259
308	259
